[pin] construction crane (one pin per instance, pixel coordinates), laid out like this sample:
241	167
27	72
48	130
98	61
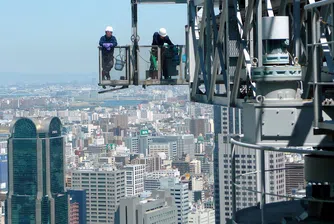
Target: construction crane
273	60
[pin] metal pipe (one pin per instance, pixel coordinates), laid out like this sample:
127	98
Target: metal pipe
282	8
263	187
296	27
227	49
135	49
100	66
318	4
317	44
315	61
234	206
159	63
208	42
259	32
279	149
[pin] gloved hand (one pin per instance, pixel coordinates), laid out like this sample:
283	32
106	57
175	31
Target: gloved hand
107	45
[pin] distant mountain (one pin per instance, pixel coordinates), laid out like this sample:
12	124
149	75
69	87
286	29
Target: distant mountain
7	78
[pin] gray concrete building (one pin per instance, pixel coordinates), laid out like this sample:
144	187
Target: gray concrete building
160	208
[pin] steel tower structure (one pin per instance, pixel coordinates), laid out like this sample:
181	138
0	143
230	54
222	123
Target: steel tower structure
273	60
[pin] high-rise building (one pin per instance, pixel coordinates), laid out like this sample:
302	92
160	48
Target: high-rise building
134	179
153	163
207	167
138	144
180	193
152	179
78	206
121	120
160	208
36	187
185	144
198	126
104	190
172	145
195	167
201	216
156	148
294	176
3	172
228	121
182	166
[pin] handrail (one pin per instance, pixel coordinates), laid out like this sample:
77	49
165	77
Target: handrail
280	149
125	46
263	192
276	195
318	4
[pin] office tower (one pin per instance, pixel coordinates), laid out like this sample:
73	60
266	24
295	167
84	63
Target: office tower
78	206
198	127
180	193
246	161
172	145
152	179
202	216
207	167
104	190
160	208
3	172
153	163
156	148
182	166
134	179
132	144
195	167
36	184
138	144
185	144
121	120
294	176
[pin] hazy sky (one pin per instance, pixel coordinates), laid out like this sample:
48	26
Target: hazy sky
55	37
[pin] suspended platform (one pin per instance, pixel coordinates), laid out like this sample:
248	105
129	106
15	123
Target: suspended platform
155	66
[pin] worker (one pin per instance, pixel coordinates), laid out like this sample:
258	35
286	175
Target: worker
159	39
107	42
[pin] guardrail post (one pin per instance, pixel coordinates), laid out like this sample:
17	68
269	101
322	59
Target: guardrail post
263	186
234	206
100	65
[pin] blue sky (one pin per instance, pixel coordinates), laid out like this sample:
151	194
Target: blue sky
56	37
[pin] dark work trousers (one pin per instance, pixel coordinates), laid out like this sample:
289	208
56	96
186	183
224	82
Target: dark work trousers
107	64
163	64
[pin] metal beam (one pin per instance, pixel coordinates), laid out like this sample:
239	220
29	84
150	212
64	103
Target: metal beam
316	73
282	8
218	56
269	8
318	4
296	27
162	1
198	46
243	54
135	40
208	46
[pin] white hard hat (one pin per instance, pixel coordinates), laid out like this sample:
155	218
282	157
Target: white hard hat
162	32
109	28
